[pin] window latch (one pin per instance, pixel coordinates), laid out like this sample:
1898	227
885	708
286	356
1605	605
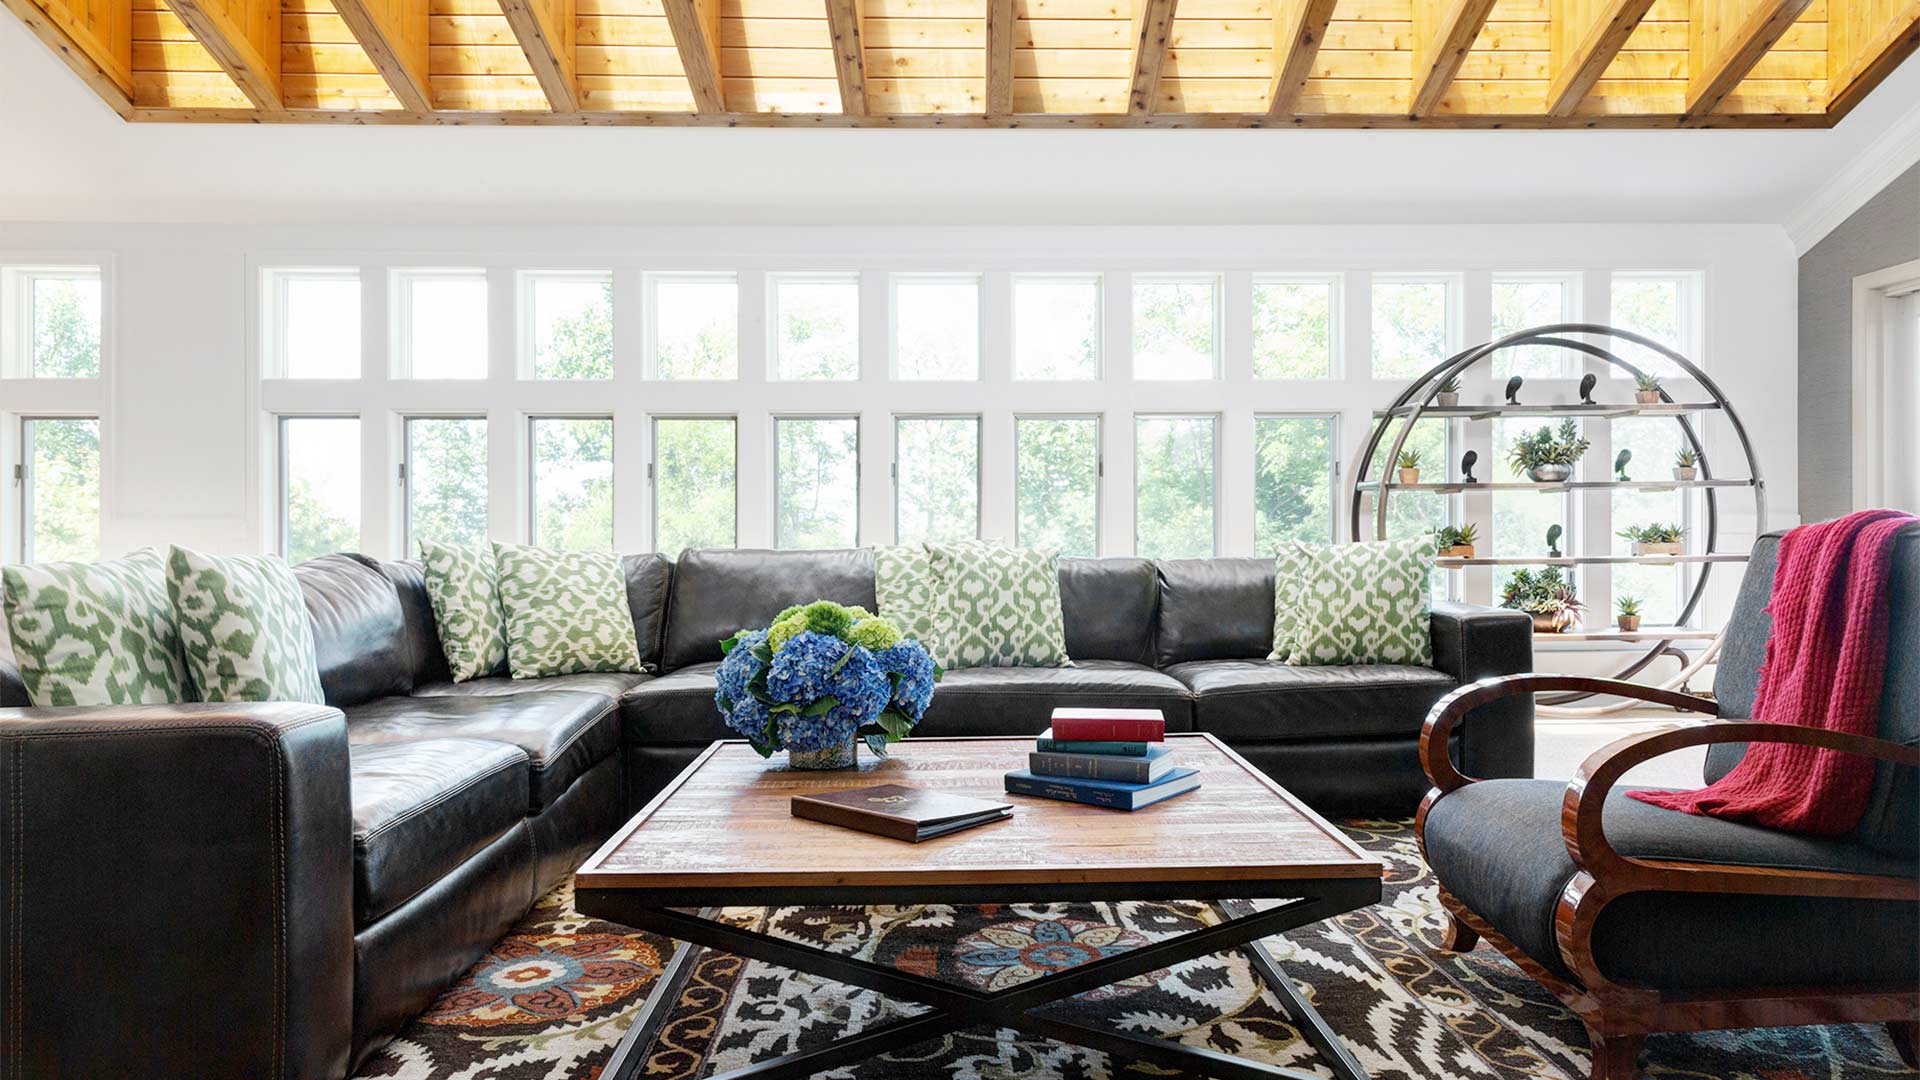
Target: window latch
403	472
19	474
650	472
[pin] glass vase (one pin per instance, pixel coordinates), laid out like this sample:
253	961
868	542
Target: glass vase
841	756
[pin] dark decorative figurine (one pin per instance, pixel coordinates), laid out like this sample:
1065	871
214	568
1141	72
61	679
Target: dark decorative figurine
1513	390
1620	465
1466	467
1553	542
1586	389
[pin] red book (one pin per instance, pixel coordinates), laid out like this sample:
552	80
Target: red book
1071	724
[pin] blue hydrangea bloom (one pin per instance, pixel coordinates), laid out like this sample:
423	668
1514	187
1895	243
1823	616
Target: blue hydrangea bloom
910	661
742	711
803	672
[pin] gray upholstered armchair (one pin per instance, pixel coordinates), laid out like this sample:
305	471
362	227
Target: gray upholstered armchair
1644	920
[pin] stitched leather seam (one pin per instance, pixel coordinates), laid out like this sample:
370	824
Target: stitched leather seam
540	764
362	838
1264	691
100	729
277	762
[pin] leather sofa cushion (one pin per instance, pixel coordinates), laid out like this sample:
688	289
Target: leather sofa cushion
359	628
13	692
611	684
676	709
422	808
1214	609
1020	701
1497	847
1108	606
1268	701
720	591
563	732
649	580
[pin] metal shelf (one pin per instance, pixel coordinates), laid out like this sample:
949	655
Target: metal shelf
1450	563
1645	633
1597	411
1455	487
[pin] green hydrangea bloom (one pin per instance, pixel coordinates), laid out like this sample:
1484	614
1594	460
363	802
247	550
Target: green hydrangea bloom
787	614
785	630
826	617
874	634
858	612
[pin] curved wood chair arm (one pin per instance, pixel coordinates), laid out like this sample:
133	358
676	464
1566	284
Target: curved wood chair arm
1447	712
1581	818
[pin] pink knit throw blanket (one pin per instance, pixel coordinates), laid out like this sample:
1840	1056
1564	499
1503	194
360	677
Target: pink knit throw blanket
1824	666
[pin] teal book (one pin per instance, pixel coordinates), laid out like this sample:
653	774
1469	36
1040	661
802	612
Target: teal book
1126	770
1047	744
1106	793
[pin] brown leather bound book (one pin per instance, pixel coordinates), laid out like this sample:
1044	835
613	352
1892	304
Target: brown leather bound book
900	812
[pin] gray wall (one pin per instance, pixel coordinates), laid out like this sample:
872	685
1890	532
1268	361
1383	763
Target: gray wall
1883	233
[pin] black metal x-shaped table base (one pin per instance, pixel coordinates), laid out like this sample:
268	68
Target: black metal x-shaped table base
953	1007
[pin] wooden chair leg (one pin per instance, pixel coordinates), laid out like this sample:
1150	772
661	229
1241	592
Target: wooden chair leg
1906	1040
1615	1057
1457	936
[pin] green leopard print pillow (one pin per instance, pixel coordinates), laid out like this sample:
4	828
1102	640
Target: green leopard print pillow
244	623
462	586
95	633
566	611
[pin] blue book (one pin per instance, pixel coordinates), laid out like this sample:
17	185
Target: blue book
1047	744
1106	793
1127	770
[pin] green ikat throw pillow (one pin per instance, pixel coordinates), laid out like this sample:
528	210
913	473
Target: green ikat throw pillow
566	611
1288	561
95	633
244	625
462	587
999	606
1364	604
908	593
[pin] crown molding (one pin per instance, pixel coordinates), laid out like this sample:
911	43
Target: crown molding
1867	175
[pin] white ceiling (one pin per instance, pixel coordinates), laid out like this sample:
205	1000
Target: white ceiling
65	157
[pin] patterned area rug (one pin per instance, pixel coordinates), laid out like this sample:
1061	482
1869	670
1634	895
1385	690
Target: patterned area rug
555	995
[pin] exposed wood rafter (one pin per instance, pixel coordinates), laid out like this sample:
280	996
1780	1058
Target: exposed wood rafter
1590	54
999	57
545	29
1855	80
1443	47
1738	49
1152	25
696	31
394	34
1299	26
846	19
102	58
243	37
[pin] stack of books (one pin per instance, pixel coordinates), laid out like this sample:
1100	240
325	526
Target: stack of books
1104	757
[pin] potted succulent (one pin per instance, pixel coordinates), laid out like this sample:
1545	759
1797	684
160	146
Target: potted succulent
1409	466
1646	389
1547	596
1456	543
1629	613
1655	539
1546	457
1685	464
1448	395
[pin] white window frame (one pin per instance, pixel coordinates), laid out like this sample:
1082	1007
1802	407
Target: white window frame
650	323
1094	278
839	277
408	542
526	320
1218	421
1332	417
1099	469
1217	282
533	460
894	281
23	476
16	315
1570	282
654	421
979	462
1336	284
400	316
1692	299
275	304
773	478
282	530
1454	337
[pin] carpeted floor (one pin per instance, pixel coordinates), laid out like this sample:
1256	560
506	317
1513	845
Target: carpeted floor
555	995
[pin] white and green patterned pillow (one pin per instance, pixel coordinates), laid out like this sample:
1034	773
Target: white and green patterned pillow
566	611
908	593
244	625
1365	604
95	633
1288	561
466	607
999	606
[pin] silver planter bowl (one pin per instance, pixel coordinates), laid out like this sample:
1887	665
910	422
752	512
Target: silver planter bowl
844	756
1550	474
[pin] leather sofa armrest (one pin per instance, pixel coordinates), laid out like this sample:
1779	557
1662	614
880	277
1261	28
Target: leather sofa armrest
177	882
1472	643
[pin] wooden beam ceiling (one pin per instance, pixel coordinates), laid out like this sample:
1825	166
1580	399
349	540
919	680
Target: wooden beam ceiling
1860	52
243	37
999	57
394	35
93	37
1444	30
545	30
1585	43
1152	25
1728	38
1299	27
696	32
844	21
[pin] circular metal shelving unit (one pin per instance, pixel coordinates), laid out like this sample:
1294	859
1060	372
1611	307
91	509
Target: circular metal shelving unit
1417	402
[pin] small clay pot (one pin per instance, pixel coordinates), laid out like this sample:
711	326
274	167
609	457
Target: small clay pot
1409	476
1647	397
1629	623
1685	474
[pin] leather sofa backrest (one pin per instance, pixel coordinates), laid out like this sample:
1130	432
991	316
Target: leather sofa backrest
359	629
1214	609
13	692
423	634
649	582
719	591
1109	607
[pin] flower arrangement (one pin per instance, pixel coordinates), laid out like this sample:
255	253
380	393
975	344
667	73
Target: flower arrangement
1545	457
820	676
1547	596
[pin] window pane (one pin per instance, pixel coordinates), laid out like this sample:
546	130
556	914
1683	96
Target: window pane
1292	480
1522	518
1654	307
66	326
444	317
1173	327
1654	442
693	498
936	327
696	328
818	321
1521	304
573	483
572	327
938	485
1058	483
817	462
1056	327
320	333
62	489
446	481
1410	513
322	494
1409	327
1173	487
1292	329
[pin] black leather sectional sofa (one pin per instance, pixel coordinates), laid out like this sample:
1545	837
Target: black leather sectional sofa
271	891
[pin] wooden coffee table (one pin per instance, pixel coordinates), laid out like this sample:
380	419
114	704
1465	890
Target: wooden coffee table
721	836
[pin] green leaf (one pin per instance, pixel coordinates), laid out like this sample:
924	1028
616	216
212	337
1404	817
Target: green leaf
877	744
726	703
726	646
763	652
840	663
822	706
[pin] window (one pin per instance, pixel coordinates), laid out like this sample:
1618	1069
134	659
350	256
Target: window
816	462
694	322
50	322
1057	483
1294	321
1292	480
60	489
1659	306
312	324
1412	512
440	324
1521	519
816	326
936	468
1176	323
694	485
566	325
936	326
1173	486
319	486
1522	302
446	480
1654	442
572	493
1056	326
1414	324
